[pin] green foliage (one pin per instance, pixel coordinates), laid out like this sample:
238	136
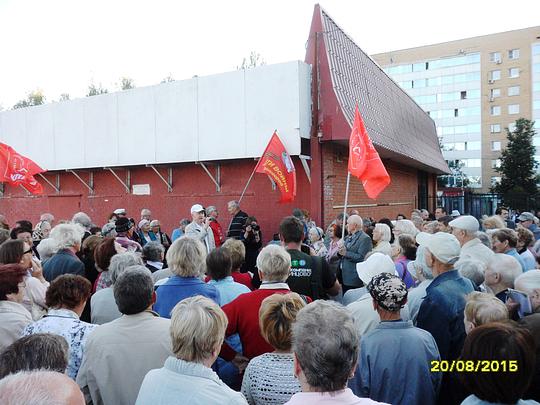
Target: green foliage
457	178
126	83
64	97
168	79
94	90
518	167
35	97
254	60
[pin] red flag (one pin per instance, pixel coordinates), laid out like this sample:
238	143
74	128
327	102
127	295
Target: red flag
277	163
19	170
364	160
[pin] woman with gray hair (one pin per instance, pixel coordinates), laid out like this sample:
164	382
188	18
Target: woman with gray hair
65	261
381	239
197	331
326	348
186	259
103	305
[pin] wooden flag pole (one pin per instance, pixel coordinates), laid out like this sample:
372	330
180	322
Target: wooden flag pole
345	206
247	184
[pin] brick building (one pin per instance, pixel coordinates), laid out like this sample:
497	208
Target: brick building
169	146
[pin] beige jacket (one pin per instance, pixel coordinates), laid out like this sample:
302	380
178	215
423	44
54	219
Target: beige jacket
13	319
118	355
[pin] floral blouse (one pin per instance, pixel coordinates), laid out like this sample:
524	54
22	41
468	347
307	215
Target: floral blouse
67	324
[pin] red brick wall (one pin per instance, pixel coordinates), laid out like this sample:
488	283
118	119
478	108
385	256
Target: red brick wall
403	188
190	185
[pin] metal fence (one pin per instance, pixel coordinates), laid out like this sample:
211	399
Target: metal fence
469	203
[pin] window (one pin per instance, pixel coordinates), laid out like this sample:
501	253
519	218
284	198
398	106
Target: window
495	110
536	49
495	75
495	57
419	83
513	73
495	180
536	141
495	93
495	145
495	128
512	126
473	145
513	109
472	162
513	54
418	67
495	163
463	95
513	91
459	146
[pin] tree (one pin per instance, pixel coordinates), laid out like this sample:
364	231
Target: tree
126	83
254	60
168	79
457	178
94	90
518	167
35	97
64	97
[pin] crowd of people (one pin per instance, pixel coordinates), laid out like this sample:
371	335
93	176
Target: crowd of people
434	309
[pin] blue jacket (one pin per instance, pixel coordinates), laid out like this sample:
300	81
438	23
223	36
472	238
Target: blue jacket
395	365
357	246
535	230
63	262
177	288
441	312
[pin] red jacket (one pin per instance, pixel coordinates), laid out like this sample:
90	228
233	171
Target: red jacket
243	316
219	236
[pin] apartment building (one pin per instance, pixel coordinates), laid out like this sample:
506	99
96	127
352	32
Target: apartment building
474	89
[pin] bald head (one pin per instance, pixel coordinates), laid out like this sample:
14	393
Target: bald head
354	223
40	387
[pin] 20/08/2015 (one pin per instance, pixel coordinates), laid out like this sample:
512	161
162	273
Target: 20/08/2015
474	366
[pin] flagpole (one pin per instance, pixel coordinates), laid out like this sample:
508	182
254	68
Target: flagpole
247	184
345	205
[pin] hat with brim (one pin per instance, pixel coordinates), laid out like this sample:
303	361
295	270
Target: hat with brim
375	264
444	246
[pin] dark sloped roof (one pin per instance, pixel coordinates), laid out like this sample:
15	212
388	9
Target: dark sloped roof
393	119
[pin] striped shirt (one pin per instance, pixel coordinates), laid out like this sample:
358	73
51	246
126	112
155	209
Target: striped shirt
237	223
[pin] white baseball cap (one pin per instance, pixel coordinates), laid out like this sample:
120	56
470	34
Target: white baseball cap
375	264
444	246
465	222
455	214
197	208
120	211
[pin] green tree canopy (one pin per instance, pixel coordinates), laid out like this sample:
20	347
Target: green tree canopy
94	90
35	97
518	167
126	83
252	61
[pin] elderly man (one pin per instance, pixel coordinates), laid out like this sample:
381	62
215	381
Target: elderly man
505	241
200	227
273	264
102	304
153	255
464	229
68	238
238	220
527	221
325	349
47	217
83	220
441	312
393	346
146	214
353	251
39	387
501	272
219	235
120	353
310	275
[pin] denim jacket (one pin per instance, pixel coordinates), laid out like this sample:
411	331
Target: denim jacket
441	312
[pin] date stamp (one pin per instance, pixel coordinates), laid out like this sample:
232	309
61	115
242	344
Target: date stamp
474	366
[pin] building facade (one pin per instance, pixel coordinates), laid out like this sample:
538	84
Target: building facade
474	89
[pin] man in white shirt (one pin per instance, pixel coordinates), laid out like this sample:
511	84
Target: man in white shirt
200	227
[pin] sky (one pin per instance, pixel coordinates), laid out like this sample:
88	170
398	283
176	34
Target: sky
61	46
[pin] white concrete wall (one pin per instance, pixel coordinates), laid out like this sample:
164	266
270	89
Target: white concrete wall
225	116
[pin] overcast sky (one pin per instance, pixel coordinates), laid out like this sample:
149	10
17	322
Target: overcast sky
62	46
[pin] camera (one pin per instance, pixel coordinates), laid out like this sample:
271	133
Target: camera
255	227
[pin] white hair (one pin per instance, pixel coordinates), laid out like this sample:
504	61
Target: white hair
121	261
529	279
473	270
47	217
187	257
47	248
507	267
406	226
67	235
355	219
82	219
385	232
274	262
41	387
